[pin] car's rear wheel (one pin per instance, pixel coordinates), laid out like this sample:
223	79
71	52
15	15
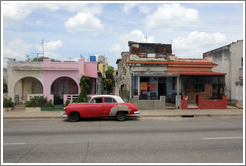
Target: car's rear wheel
121	116
73	117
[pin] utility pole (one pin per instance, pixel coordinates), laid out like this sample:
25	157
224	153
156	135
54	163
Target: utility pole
43	46
37	57
146	37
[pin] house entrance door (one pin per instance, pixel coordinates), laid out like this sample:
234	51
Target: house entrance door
63	89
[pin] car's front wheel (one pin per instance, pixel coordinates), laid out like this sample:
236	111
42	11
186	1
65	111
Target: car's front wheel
73	117
121	116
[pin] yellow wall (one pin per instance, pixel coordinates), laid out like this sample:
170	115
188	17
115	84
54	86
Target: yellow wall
100	66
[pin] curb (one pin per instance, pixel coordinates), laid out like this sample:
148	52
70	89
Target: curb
32	117
141	116
190	115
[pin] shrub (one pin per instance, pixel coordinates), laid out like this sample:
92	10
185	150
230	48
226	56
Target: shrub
7	103
39	101
85	89
109	85
49	104
5	87
67	102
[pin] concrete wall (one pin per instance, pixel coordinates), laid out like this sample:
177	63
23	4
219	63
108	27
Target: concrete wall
236	55
16	71
28	77
52	71
228	59
222	57
149	104
123	80
91	69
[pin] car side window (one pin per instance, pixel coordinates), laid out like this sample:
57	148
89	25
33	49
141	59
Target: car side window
97	100
109	100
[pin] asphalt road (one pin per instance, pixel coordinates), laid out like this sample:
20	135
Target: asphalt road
145	140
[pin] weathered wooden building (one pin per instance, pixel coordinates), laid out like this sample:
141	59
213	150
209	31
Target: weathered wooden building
150	76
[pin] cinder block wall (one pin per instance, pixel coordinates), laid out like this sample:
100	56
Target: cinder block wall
149	104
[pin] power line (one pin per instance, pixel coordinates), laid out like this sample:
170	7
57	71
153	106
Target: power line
120	23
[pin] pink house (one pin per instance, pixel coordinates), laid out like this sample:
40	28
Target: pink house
61	79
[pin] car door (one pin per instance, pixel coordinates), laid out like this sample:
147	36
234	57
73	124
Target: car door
95	108
108	104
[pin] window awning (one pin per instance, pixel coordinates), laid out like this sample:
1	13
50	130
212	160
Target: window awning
207	73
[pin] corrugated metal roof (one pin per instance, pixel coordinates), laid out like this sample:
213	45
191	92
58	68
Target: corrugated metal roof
196	73
176	73
171	63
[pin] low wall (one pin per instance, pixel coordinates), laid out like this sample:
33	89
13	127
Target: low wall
206	103
184	102
212	104
33	109
7	109
149	104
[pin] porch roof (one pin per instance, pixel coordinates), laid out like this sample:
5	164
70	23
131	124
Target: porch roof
173	62
161	74
196	73
177	73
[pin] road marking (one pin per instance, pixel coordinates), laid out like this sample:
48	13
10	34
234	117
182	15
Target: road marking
21	143
211	138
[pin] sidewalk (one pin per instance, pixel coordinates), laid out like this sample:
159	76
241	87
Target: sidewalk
22	114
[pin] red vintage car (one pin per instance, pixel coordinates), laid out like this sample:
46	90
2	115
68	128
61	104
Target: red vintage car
100	106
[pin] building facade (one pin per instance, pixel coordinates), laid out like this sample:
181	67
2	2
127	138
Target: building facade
230	60
102	64
57	81
150	76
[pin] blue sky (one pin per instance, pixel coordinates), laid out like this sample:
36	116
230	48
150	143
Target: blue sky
71	29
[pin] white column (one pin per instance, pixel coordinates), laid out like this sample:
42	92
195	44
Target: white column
138	86
178	85
178	97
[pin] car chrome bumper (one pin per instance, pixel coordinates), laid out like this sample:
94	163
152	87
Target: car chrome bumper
137	112
63	115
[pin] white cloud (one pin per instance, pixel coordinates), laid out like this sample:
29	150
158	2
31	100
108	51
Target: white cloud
53	45
171	16
84	22
142	8
135	35
39	22
196	43
81	7
19	50
50	49
128	6
49	46
15	12
15	49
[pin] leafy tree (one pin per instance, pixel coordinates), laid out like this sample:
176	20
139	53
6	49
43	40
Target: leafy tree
41	59
85	89
109	72
109	79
